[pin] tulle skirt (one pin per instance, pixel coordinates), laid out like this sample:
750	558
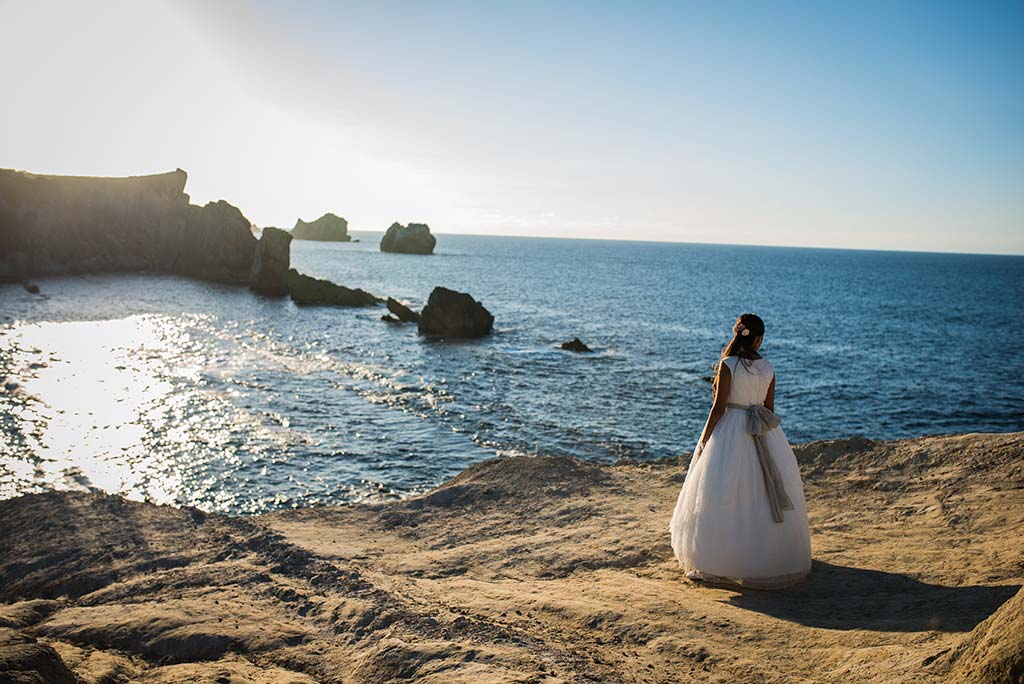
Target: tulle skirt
722	528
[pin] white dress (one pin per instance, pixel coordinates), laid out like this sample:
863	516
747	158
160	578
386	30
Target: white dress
722	527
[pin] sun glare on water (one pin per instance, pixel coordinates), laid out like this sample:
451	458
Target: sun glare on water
92	393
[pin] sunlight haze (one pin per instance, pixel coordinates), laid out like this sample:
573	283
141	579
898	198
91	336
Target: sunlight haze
871	126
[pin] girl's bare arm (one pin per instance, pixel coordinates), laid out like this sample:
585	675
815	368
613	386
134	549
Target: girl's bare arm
718	406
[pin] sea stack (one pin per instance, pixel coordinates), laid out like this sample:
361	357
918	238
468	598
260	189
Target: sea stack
414	238
454	314
327	228
269	273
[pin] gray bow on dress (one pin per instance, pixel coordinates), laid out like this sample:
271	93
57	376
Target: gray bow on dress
759	421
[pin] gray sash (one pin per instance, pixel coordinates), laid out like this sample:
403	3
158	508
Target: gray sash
759	421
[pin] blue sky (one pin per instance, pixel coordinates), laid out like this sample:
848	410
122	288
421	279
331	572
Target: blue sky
869	125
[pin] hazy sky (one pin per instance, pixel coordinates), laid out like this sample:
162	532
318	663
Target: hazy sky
892	125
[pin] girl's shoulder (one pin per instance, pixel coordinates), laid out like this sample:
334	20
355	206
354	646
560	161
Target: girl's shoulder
765	367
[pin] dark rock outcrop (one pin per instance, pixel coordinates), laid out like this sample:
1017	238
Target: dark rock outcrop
269	274
454	314
412	239
308	291
24	660
402	313
993	652
52	225
327	228
216	244
576	345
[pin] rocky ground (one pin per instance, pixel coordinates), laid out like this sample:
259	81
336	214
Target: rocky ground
530	570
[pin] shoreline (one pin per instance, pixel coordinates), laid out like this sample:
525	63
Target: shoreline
528	569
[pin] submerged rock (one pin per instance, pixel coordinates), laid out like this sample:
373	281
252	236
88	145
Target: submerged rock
412	239
31	288
576	345
327	228
269	274
454	314
403	313
309	291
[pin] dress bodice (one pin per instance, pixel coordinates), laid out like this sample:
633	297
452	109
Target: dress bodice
750	381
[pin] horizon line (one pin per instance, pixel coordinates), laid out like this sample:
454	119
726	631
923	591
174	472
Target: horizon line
714	244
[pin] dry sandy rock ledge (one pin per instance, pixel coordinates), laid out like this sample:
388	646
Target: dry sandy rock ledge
530	570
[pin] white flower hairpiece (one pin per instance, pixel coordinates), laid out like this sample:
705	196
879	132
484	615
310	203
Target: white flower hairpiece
741	329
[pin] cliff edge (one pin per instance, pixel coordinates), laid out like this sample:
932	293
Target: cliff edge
54	225
529	569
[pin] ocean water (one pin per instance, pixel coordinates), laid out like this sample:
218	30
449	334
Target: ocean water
185	392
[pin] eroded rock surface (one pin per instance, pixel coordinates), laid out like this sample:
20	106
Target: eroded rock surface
993	653
527	569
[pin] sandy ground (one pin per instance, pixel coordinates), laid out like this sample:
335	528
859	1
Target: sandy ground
530	570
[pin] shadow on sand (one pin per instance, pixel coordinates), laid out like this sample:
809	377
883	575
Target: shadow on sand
842	597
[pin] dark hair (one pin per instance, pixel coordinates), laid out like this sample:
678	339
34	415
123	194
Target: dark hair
742	345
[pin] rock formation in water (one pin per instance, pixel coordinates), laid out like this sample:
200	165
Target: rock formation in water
454	314
412	239
216	244
308	291
402	313
576	345
327	228
269	273
53	225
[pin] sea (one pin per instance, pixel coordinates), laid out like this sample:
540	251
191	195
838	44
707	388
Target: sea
189	393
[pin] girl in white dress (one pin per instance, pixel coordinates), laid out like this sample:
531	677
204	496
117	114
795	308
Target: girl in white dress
740	517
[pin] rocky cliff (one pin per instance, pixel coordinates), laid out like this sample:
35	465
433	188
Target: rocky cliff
53	225
56	225
525	569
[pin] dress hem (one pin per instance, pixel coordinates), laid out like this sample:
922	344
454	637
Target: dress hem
763	583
